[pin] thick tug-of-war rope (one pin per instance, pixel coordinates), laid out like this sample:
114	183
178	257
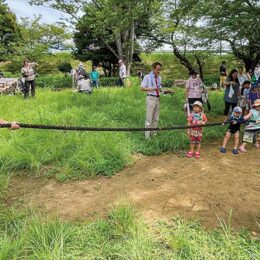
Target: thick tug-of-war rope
116	129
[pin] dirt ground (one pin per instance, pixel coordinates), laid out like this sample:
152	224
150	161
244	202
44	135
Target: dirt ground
161	187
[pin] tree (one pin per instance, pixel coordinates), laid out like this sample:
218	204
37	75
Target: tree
37	41
113	23
237	23
39	38
9	33
175	26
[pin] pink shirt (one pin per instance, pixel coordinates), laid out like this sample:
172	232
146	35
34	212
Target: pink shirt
194	87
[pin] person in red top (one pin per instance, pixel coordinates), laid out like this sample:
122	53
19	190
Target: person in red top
197	117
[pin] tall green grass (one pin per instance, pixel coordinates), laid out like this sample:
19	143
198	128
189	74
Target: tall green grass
68	155
122	235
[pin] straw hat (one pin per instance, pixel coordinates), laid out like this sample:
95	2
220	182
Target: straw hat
199	104
257	103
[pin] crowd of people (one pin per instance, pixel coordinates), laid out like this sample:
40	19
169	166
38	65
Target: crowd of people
241	98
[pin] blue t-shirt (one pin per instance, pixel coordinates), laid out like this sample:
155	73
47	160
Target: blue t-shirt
94	75
253	96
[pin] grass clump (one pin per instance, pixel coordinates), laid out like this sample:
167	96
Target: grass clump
122	235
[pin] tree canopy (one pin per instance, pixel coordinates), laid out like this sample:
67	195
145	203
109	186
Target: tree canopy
9	33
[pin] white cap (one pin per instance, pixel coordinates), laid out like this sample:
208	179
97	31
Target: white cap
120	61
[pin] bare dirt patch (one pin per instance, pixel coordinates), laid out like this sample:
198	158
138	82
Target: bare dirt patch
161	187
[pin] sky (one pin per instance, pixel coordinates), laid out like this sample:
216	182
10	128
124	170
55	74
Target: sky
22	9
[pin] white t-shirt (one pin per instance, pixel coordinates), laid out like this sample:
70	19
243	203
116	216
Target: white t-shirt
242	78
122	71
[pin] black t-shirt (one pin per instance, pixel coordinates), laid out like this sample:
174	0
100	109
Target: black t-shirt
235	123
223	70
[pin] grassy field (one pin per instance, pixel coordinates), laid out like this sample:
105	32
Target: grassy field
68	155
122	235
26	234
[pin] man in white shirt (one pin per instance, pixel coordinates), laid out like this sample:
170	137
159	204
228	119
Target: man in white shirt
152	85
122	73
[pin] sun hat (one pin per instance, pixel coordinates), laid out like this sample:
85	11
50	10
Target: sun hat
199	104
120	61
237	110
256	103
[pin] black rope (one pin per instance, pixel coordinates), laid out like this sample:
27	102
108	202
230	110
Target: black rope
101	129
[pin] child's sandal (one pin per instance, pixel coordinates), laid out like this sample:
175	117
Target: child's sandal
197	155
189	154
242	149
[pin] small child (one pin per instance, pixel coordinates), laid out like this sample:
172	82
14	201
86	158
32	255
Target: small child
245	97
197	117
254	115
236	119
94	75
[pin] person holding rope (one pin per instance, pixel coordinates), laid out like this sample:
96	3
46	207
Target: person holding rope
254	126
29	76
196	118
14	125
235	121
152	85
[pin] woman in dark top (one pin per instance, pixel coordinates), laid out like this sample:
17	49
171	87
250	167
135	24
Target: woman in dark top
231	91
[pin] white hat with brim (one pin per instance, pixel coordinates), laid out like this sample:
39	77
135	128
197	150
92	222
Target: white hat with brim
120	61
256	103
199	104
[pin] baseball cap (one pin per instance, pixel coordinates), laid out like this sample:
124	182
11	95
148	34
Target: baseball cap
237	110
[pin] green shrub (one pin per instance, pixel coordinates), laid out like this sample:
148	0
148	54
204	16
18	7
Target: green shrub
65	67
53	81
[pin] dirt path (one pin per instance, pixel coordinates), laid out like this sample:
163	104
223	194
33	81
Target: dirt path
160	187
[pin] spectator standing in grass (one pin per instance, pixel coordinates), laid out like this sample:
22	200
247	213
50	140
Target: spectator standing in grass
94	75
223	74
122	73
29	76
81	72
231	91
194	89
152	85
242	77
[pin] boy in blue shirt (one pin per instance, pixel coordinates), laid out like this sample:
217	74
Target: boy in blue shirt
94	75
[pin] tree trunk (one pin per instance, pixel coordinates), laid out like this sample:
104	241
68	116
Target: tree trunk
248	58
130	50
200	64
184	61
119	46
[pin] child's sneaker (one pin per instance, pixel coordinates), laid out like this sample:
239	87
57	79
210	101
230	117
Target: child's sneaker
223	150
189	154
235	151
197	155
